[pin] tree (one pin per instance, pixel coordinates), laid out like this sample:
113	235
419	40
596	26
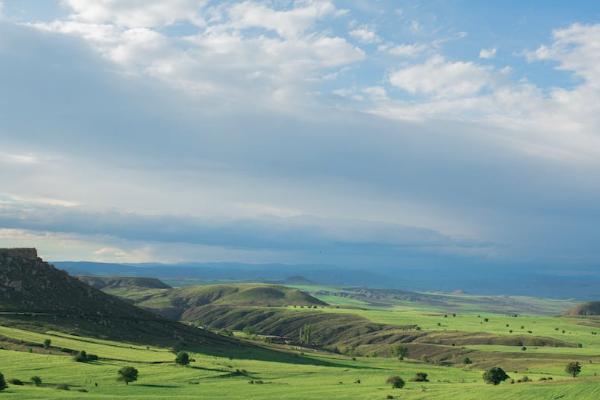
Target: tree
47	343
182	358
573	368
396	382
36	380
401	352
305	334
495	375
467	360
128	374
420	377
2	382
81	356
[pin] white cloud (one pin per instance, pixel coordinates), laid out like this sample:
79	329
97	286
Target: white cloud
487	54
222	59
440	78
365	35
135	13
13	158
404	50
287	23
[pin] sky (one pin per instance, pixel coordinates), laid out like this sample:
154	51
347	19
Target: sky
349	133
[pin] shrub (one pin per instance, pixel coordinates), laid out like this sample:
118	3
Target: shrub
62	386
128	374
396	382
80	356
47	343
467	360
15	381
182	358
573	368
36	380
420	377
2	382
495	375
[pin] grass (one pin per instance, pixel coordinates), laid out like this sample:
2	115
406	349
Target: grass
294	373
214	377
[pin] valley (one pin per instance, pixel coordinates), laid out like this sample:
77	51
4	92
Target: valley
305	341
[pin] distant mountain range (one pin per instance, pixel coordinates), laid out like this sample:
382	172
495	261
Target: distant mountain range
528	280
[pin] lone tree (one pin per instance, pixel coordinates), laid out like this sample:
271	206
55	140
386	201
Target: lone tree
305	334
128	374
47	343
2	382
495	375
467	360
182	358
420	377
573	368
396	382
36	380
401	352
81	356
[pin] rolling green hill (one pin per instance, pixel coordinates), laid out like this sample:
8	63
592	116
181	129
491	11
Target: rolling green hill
36	296
179	302
111	282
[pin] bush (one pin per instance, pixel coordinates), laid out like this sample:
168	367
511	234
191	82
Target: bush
15	381
2	382
182	358
420	377
467	360
495	375
36	380
80	356
396	382
47	343
63	386
573	368
128	374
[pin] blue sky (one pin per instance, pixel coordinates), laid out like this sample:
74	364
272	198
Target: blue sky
347	133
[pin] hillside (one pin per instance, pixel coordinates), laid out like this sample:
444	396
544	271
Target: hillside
590	308
177	303
37	296
110	282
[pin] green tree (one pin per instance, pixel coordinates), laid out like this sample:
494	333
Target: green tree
2	382
401	352
495	375
80	356
467	360
420	377
305	334
573	368
128	374
396	382
47	343
182	358
36	380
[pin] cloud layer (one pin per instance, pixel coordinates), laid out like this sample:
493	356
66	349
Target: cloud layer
291	133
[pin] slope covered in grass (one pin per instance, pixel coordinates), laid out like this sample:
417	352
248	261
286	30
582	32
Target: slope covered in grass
36	296
179	302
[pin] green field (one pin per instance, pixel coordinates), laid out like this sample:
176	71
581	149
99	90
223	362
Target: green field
312	374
